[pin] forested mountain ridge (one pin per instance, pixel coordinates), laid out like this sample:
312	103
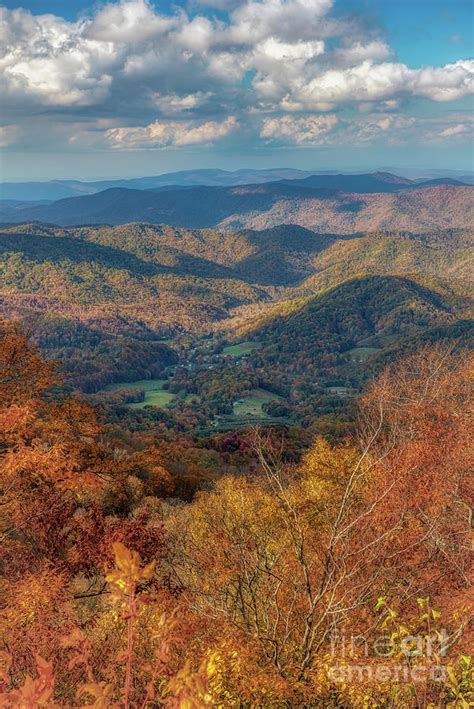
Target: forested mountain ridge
317	352
357	309
263	206
100	298
60	189
283	255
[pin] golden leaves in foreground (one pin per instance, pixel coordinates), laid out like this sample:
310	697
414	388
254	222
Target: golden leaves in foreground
34	692
128	572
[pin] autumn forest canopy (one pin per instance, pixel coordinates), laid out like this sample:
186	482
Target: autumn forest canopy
118	591
236	443
236	354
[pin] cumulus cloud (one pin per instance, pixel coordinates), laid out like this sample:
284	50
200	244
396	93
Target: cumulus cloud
289	20
166	133
172	104
276	57
360	131
459	129
359	52
131	22
328	129
49	61
371	82
311	130
446	83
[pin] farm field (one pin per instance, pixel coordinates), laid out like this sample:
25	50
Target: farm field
155	395
251	405
240	349
361	354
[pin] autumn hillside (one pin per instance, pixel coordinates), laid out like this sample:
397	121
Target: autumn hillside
117	592
260	206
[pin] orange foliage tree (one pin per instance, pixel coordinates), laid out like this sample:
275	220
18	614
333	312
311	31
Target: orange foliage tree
239	597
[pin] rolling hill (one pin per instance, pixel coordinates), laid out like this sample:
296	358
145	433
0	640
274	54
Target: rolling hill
266	205
338	319
347	332
285	256
95	295
315	354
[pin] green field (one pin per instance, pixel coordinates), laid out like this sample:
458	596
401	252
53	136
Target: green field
361	354
155	395
241	349
251	405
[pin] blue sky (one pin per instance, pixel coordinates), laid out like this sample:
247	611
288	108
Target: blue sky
136	87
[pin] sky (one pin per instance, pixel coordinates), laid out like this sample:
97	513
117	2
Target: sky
128	88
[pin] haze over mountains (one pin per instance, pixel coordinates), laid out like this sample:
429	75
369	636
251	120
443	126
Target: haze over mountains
329	203
60	189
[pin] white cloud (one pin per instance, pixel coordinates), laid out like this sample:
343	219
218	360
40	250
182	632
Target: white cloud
131	22
48	60
172	104
289	20
310	130
371	82
196	35
360	131
58	63
459	129
358	52
165	133
275	50
277	57
445	83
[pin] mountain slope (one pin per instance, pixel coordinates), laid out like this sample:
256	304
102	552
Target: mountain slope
98	298
61	271
317	352
420	210
132	261
284	256
360	183
92	355
265	206
450	258
338	319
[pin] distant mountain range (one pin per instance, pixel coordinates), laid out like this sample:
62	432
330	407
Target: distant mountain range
61	189
340	204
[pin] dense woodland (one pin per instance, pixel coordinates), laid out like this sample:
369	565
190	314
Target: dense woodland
102	300
146	569
226	454
339	204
